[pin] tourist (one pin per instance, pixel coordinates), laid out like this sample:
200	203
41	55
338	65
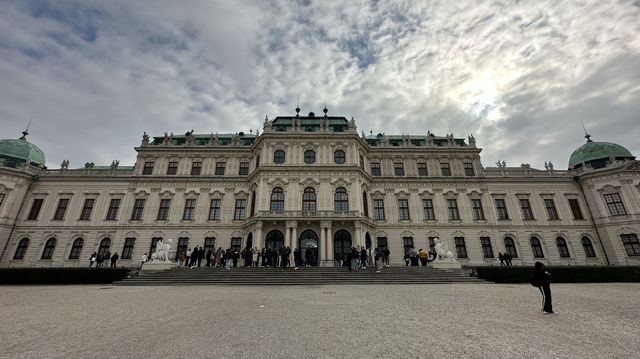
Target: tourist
92	259
370	254
143	260
114	260
501	258
228	255
284	253
350	259
363	258
181	259
423	257
296	257
541	278
255	257
208	257
200	256
507	259
308	257
378	257
188	258
107	257
385	256
235	255
219	259
99	260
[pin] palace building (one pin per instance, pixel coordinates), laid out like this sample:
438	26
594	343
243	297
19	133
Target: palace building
312	182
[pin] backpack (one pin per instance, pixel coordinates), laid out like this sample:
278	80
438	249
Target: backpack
536	280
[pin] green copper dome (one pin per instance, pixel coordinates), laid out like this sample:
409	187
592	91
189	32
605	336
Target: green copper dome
20	150
596	154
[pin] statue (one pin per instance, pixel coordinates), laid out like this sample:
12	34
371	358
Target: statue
472	141
165	140
114	165
504	164
89	165
162	251
145	139
546	165
191	140
64	165
550	166
450	139
442	250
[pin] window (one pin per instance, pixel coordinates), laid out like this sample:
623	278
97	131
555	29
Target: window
527	214
277	200
309	199
189	209
183	246
536	248
62	208
407	242
403	209
154	245
148	168
35	209
2	195
341	199
631	244
588	248
138	208
309	157
375	169
209	244
163	211
461	248
487	251
112	213
427	206
445	169
21	249
338	156
365	203
478	212
452	206
510	247
236	243
240	209
362	163
422	168
278	156
104	246
378	209
468	169
214	209
575	209
196	168
76	249
172	169
562	247
382	242
398	168
220	166
244	169
501	208
616	208
48	249
127	251
85	215
551	209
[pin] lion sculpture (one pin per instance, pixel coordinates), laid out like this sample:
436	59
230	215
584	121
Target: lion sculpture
442	250
162	251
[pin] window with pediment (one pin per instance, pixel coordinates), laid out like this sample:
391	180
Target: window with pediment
309	199
277	199
341	199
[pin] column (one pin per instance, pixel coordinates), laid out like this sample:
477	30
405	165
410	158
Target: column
329	246
294	238
358	235
287	235
322	253
259	241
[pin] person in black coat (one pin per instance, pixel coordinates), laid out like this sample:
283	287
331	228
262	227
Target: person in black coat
363	258
349	259
541	278
209	254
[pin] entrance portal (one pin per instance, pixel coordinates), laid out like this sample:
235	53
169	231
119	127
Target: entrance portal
275	239
309	248
341	246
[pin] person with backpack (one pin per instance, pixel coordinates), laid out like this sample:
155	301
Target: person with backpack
541	278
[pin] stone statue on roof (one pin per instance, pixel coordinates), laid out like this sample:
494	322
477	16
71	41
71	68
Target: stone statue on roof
114	165
145	139
191	140
550	166
165	140
450	139
472	141
64	165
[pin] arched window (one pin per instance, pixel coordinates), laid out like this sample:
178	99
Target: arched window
562	247
48	249
76	249
104	246
278	156
510	246
22	248
277	199
588	248
309	199
341	199
338	156
536	248
365	204
309	157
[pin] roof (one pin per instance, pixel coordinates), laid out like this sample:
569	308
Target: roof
204	139
311	123
21	150
592	152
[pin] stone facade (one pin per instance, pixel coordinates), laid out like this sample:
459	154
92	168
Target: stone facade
220	190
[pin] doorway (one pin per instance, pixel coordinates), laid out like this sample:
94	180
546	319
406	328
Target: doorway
341	246
309	248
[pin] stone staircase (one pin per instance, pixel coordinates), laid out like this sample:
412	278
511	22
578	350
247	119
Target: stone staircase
302	276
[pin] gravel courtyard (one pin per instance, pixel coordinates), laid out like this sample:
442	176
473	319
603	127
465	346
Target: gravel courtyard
393	321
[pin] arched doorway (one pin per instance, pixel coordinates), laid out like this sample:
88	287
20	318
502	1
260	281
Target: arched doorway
309	248
250	240
341	246
367	240
275	239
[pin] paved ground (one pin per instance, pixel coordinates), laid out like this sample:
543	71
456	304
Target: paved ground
394	321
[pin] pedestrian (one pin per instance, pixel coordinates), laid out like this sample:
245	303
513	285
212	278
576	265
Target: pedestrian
363	258
228	255
219	257
541	278
92	259
284	253
181	259
370	254
507	259
385	256
99	260
209	256
423	257
350	259
235	255
143	260
188	258
114	260
200	256
107	257
296	257
501	258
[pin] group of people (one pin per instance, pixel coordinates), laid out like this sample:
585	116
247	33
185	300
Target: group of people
505	259
419	258
102	258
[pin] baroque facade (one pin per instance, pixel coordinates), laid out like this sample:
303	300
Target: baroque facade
314	182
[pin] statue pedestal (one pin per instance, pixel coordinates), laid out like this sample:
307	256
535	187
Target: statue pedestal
446	265
158	266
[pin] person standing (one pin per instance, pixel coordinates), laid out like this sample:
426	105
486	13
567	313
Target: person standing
200	256
92	259
181	259
370	262
296	258
423	257
541	278
363	258
114	260
209	255
501	258
385	256
188	258
228	255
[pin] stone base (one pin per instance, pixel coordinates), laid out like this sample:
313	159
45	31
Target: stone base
446	265
158	266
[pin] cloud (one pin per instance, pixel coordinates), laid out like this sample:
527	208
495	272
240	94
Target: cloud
520	77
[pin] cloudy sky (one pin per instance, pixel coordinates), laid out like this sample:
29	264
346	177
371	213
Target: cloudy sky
519	75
